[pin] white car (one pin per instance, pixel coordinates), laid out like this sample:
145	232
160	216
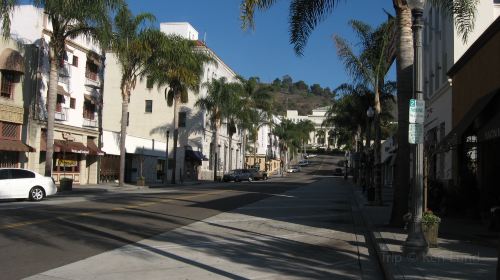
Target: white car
293	169
22	183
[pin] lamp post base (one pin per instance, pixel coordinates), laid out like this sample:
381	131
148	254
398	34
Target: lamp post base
415	245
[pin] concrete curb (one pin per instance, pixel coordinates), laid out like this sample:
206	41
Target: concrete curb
384	255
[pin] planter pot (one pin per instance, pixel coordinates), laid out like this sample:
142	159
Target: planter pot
431	234
66	184
141	181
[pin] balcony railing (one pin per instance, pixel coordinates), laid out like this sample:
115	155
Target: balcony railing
92	79
90	120
61	114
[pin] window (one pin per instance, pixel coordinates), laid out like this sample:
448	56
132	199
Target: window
128	118
88	110
60	101
182	119
91	71
66	162
496	1
9	131
149	83
75	61
21	174
7	88
160	169
72	102
149	106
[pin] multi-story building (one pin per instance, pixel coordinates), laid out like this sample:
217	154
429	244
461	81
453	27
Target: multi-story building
15	94
150	120
443	46
267	154
321	136
76	130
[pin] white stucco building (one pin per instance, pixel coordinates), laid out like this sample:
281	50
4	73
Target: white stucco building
150	118
76	120
316	138
267	154
443	46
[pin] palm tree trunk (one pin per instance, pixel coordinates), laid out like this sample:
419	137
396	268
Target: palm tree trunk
230	151
51	110
177	98
378	171
123	134
404	73
216	148
254	151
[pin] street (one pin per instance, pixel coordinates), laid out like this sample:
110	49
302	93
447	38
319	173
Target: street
302	226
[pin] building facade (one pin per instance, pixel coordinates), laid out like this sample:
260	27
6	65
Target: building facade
321	137
150	120
76	133
267	154
442	47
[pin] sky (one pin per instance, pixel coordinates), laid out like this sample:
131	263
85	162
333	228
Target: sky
265	51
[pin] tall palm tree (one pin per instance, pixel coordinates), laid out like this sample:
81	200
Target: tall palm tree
369	67
179	66
306	15
234	116
216	102
133	44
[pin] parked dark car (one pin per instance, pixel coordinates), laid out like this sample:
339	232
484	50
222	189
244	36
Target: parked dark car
238	175
338	171
258	174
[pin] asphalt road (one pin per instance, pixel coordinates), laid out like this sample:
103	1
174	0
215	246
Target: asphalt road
35	238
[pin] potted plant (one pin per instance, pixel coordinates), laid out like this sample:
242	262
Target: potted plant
430	227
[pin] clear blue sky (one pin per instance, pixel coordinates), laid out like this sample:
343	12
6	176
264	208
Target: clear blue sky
265	52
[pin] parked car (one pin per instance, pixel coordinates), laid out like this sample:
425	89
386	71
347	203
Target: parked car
338	171
22	183
303	163
293	169
258	174
310	156
238	175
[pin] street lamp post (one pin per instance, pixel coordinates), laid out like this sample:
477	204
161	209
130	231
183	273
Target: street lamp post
165	179
415	244
367	176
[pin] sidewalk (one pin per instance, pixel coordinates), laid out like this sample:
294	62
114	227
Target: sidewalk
466	251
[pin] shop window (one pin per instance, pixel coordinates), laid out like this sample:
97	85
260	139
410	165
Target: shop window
182	119
160	169
66	162
7	87
9	131
149	106
9	159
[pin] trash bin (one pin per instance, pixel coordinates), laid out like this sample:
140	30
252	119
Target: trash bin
66	184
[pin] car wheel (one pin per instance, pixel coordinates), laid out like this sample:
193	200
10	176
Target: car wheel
36	194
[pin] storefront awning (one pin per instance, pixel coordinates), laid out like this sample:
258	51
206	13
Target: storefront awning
453	138
194	155
14	146
70	147
11	60
93	149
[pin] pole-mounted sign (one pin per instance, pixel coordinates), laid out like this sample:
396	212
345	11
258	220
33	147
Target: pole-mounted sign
416	120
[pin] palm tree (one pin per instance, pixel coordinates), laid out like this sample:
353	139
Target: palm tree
219	94
69	20
306	15
233	115
133	46
369	67
179	66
